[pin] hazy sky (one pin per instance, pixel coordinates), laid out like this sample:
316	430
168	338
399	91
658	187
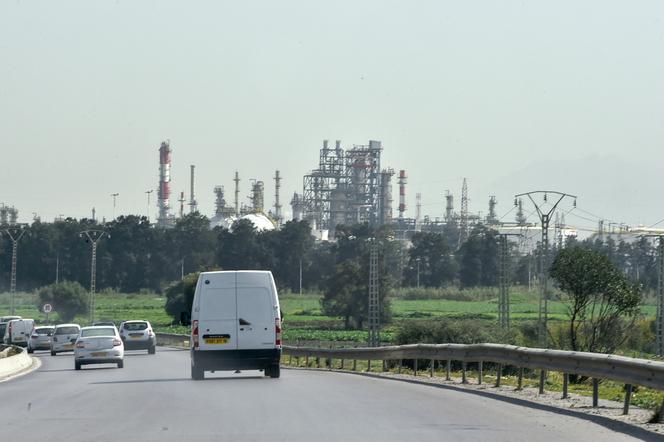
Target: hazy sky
513	95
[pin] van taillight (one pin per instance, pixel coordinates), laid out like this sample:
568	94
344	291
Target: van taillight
277	329
194	332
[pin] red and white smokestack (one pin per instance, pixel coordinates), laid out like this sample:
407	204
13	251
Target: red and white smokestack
402	193
164	179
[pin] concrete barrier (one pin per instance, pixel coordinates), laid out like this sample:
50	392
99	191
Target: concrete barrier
12	365
173	340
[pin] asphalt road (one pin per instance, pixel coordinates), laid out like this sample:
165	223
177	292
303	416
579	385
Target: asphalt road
153	399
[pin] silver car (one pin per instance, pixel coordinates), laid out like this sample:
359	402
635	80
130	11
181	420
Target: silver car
138	335
64	337
40	338
98	345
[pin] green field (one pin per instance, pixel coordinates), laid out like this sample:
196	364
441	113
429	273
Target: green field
303	319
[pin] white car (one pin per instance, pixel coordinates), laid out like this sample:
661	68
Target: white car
40	338
64	337
98	345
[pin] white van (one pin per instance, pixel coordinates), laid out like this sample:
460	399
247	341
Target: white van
18	332
235	323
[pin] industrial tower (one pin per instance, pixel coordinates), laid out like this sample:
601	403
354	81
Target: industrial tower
463	219
164	193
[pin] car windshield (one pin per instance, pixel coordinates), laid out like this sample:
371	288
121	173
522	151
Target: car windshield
66	330
92	332
44	331
135	326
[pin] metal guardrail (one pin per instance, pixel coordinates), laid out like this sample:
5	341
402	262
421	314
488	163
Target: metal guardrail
631	371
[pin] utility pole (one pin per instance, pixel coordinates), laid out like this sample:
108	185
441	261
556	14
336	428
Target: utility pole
15	233
115	196
504	281
660	296
545	218
148	192
374	307
300	276
659	320
417	260
93	237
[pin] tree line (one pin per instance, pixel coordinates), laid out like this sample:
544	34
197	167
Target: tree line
140	256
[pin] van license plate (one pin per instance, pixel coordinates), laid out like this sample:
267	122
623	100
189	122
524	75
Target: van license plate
216	341
98	353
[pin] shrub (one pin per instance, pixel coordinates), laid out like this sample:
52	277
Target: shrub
179	298
67	298
449	331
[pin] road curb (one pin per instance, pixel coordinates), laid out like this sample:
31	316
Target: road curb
19	365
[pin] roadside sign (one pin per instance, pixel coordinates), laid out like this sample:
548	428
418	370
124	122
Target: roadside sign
47	308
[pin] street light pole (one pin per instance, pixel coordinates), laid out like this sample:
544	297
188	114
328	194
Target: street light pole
148	192
15	233
114	195
545	217
418	272
93	237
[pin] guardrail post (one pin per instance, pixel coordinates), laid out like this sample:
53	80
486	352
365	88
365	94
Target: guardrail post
499	373
317	361
480	372
342	364
354	364
306	361
415	368
400	364
384	365
565	385
448	369
464	366
628	398
297	361
290	359
519	385
369	365
431	368
595	392
542	380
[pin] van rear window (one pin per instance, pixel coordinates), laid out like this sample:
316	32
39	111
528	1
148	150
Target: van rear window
44	331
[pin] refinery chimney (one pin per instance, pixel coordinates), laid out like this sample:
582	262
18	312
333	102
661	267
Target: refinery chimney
164	194
277	203
193	205
402	192
237	194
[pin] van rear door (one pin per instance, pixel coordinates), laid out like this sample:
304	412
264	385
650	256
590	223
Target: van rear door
217	321
256	311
